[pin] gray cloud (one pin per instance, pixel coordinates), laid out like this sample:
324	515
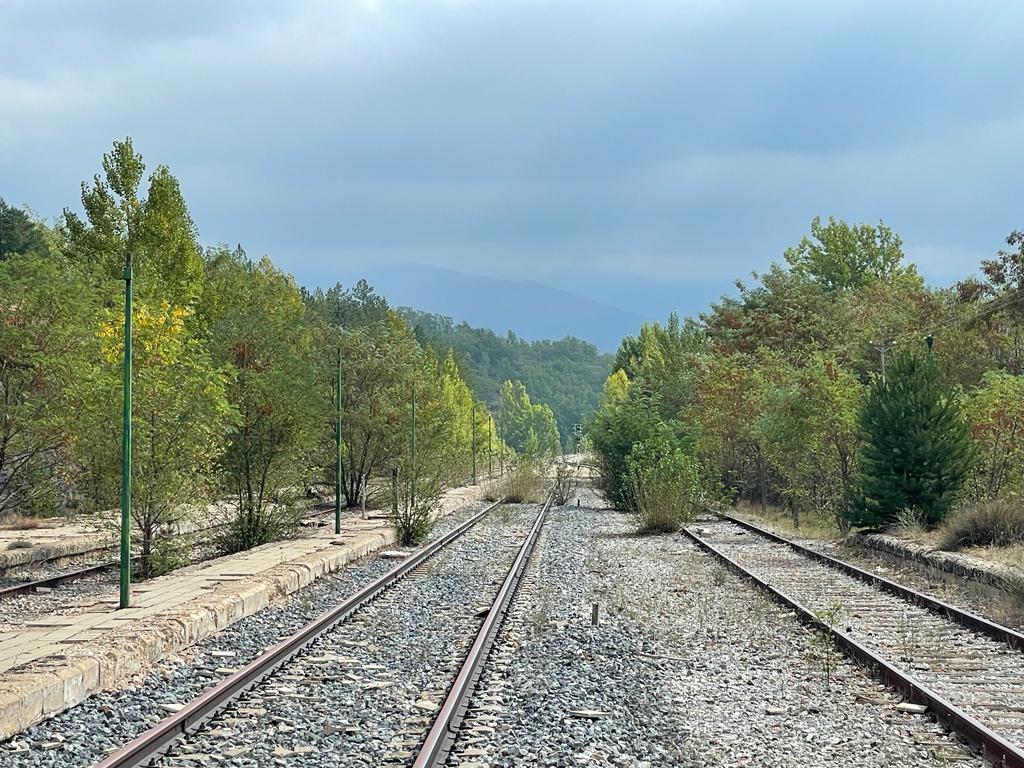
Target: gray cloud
644	153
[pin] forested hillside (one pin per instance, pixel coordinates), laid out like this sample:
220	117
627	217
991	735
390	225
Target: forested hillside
837	386
566	375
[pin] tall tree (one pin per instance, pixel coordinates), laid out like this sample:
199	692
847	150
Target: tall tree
47	321
916	450
156	230
841	257
179	417
257	329
519	418
20	234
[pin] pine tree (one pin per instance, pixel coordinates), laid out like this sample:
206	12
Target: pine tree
916	450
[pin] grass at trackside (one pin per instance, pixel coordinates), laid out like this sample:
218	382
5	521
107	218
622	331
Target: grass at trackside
810	526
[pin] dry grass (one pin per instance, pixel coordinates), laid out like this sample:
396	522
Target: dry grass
811	526
910	525
16	522
524	486
992	523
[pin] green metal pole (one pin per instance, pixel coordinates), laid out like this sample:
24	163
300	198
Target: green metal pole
490	446
126	445
337	451
412	480
473	427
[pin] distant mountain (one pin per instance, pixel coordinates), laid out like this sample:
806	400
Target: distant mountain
532	310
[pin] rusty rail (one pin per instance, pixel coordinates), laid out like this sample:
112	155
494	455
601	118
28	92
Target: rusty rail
155	741
992	746
970	620
445	728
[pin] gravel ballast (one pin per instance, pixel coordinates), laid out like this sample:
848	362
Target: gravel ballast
81	736
365	694
689	666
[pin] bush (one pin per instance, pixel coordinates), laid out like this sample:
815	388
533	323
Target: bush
992	523
614	431
566	481
169	552
412	514
413	521
250	526
664	485
525	483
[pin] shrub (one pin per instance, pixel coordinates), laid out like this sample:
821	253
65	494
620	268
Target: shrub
525	482
992	523
664	485
413	521
169	552
566	481
249	526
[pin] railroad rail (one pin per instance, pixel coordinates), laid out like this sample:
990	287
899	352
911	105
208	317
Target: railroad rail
55	580
968	671
445	728
151	744
30	587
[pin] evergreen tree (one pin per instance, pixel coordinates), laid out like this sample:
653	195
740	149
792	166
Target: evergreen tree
916	450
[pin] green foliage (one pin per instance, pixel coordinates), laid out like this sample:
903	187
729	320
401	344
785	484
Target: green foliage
664	484
524	425
767	391
841	257
256	330
180	413
807	432
565	375
614	430
21	234
46	337
234	373
995	411
916	451
157	231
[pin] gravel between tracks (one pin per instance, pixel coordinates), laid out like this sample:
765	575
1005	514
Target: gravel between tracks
690	666
364	694
972	671
81	736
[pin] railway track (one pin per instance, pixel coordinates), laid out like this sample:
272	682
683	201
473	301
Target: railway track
331	668
967	671
33	586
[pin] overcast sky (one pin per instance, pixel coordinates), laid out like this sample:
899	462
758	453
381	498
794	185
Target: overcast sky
644	153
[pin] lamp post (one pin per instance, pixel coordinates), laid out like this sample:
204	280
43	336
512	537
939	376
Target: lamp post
337	450
472	426
412	479
126	444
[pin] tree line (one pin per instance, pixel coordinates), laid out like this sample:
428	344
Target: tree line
564	375
837	385
234	379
